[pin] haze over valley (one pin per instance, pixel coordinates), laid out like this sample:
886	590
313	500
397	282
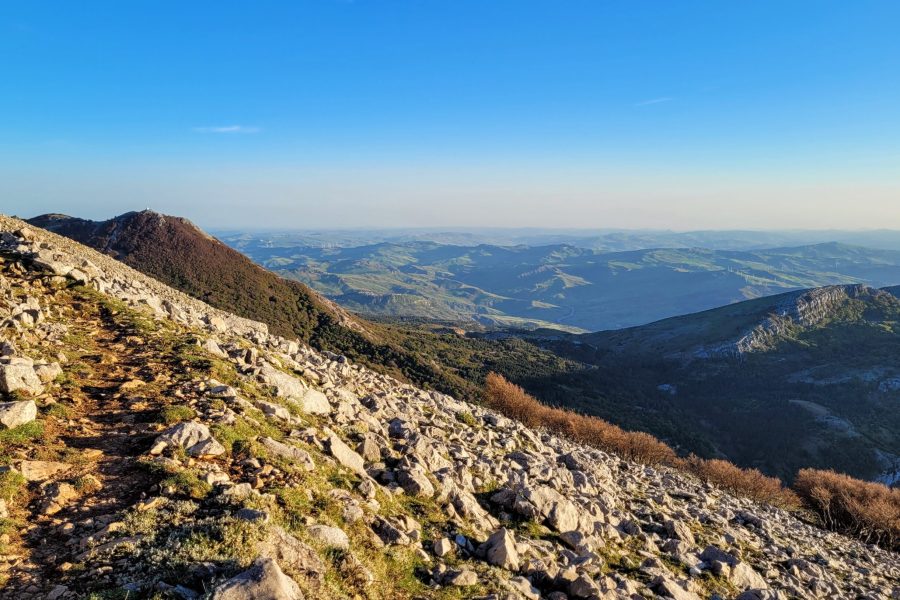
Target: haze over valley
581	283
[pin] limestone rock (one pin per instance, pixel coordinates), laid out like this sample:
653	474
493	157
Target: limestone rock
679	531
461	578
500	550
270	409
14	414
333	537
48	372
313	402
415	483
195	438
56	496
285	386
294	556
442	547
263	581
18	374
41	470
345	455
292	453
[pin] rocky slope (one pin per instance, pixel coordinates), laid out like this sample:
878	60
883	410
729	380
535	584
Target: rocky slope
153	446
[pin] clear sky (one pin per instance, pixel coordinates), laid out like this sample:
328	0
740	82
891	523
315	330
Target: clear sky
569	113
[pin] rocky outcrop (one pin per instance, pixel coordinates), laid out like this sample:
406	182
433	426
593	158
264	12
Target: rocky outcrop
805	308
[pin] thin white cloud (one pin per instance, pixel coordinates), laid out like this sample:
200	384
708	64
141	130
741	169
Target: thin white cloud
228	129
654	101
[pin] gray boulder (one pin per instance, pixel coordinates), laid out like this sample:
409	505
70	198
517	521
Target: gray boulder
18	374
313	402
14	414
294	556
297	455
332	537
263	581
345	455
194	437
500	550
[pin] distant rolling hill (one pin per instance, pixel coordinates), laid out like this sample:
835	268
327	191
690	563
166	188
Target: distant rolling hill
563	286
806	378
176	252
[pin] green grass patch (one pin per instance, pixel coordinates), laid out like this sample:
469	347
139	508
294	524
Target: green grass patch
176	413
187	483
12	483
467	418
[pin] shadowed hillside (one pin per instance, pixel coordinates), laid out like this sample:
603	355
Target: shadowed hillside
803	379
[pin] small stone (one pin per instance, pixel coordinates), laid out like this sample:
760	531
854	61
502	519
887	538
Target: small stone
463	578
442	547
330	536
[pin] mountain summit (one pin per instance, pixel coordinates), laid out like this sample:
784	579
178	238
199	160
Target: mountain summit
179	253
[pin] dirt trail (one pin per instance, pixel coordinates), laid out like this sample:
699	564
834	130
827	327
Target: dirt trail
104	429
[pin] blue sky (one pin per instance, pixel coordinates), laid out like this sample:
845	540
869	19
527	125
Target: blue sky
353	113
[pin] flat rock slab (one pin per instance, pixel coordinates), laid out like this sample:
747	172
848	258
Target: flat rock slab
41	470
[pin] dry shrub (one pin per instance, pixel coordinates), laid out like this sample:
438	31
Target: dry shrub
867	510
515	403
750	483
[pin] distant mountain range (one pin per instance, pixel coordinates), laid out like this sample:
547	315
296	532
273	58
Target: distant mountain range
563	286
605	240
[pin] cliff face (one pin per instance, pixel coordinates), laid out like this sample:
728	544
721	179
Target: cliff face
801	309
153	445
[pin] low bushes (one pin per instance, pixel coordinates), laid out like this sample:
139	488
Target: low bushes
745	482
515	403
867	510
